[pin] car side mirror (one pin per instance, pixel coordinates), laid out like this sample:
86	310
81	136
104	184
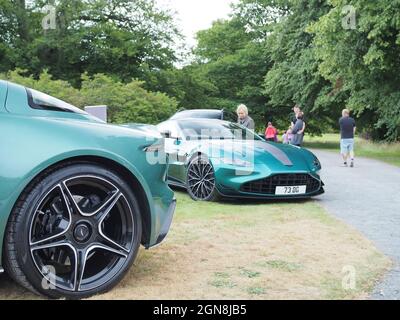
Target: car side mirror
166	134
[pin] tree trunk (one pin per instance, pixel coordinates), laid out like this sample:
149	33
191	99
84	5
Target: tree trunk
22	20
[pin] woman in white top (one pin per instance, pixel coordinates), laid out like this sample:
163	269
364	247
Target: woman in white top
243	117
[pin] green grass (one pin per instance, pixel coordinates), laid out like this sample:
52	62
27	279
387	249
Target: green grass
386	152
222	280
250	274
256	291
281	265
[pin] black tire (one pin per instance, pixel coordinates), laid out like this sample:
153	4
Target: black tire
97	249
200	180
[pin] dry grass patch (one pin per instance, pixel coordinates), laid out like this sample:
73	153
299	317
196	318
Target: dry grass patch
249	251
253	251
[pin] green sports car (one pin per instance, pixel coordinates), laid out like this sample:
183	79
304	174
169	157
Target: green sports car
214	158
77	196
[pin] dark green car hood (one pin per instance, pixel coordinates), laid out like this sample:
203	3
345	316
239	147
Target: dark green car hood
276	156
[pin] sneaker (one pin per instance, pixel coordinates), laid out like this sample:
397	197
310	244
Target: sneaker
352	164
345	164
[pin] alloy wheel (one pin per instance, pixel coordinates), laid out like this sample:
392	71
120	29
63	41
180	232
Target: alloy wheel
82	233
201	179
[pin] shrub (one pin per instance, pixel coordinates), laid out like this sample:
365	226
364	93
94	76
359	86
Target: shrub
127	102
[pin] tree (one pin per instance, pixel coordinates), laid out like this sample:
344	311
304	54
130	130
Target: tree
364	62
294	77
114	37
263	57
15	32
225	37
233	65
128	102
189	85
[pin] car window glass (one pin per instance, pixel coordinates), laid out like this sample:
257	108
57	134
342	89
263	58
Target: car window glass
193	130
40	100
198	114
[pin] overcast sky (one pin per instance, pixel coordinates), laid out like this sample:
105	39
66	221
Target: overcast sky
195	15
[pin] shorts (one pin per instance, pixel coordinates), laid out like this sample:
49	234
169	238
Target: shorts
346	146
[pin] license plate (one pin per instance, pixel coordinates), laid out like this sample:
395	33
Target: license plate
283	191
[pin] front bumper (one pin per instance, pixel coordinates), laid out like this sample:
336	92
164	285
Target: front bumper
230	185
242	195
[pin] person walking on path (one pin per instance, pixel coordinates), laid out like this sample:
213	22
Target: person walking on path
243	117
271	133
347	133
297	130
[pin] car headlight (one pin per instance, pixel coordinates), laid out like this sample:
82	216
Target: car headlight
317	164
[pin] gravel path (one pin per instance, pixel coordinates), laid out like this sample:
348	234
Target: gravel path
368	198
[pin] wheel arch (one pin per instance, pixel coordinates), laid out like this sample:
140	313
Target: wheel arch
134	185
194	155
124	172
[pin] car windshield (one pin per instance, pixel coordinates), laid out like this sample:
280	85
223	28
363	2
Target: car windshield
219	130
40	100
198	114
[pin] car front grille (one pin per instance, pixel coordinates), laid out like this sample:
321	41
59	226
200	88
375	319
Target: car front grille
268	185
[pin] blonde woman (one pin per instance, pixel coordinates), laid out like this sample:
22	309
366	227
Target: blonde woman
243	117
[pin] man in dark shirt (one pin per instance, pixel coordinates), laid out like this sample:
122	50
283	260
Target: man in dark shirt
297	130
293	118
347	132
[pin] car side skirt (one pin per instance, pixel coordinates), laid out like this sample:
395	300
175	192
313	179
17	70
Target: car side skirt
175	183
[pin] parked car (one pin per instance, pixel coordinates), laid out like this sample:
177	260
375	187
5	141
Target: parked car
77	196
213	159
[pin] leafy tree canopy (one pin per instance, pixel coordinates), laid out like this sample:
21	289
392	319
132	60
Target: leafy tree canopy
364	62
269	54
114	37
